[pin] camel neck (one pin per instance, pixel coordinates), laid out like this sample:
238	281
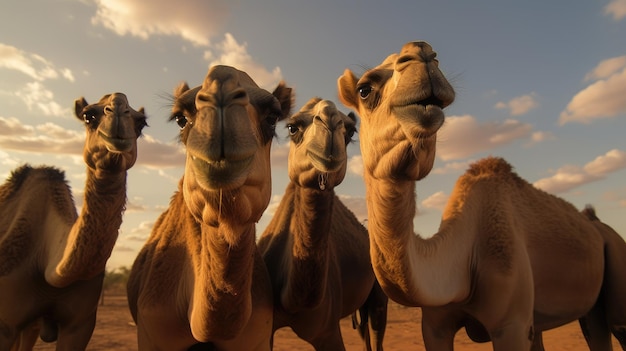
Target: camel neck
91	238
310	225
413	270
221	301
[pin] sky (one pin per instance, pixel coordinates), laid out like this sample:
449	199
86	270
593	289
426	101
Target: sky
540	83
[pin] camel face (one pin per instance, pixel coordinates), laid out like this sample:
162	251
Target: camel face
401	106
319	135
227	125
112	131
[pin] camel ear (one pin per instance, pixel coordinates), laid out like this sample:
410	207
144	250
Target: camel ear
141	110
285	96
180	89
79	105
346	85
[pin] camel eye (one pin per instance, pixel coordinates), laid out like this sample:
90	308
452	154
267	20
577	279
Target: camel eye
292	128
181	120
364	91
88	117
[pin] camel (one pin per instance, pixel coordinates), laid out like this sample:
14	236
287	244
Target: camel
508	261
52	260
315	249
199	281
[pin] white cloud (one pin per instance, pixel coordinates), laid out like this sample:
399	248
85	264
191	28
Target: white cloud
452	167
616	8
141	232
193	20
231	53
601	99
610	162
436	201
538	137
39	98
519	105
355	165
569	177
463	136
155	154
13	126
356	204
30	64
607	68
280	155
46	138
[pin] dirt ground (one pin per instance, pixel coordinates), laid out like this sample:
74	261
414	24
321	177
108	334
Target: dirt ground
115	331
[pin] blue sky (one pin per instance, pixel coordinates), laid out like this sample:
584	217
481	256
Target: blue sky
540	83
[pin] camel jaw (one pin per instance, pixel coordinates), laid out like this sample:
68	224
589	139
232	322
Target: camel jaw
220	175
119	145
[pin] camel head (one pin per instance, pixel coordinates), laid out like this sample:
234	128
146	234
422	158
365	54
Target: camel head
319	135
400	103
112	131
227	126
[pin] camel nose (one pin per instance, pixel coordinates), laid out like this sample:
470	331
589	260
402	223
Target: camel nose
326	114
118	105
419	51
220	89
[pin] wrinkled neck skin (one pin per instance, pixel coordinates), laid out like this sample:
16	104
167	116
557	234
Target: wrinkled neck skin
412	270
223	258
83	253
310	228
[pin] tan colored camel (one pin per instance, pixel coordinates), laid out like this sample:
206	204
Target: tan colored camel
508	260
200	278
52	260
315	249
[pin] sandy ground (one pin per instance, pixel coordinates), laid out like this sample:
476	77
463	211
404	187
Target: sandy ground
116	331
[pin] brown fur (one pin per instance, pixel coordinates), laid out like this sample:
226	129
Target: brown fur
508	261
52	260
199	281
315	249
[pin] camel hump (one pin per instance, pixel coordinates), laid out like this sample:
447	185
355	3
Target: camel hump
490	166
19	175
590	212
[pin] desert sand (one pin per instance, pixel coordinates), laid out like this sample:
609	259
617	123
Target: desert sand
115	330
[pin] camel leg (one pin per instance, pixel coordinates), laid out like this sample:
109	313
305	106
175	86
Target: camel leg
332	341
27	338
377	303
538	342
75	336
439	327
595	329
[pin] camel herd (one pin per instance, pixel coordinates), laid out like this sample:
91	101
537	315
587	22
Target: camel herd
509	261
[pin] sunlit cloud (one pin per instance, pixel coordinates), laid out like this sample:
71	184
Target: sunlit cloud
356	204
12	126
601	99
520	105
539	137
155	154
355	165
607	68
616	9
464	136
435	201
41	139
31	64
196	21
452	167
141	232
570	176
38	98
230	52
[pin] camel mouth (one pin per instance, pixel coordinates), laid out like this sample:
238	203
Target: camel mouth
325	164
117	144
223	174
422	118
